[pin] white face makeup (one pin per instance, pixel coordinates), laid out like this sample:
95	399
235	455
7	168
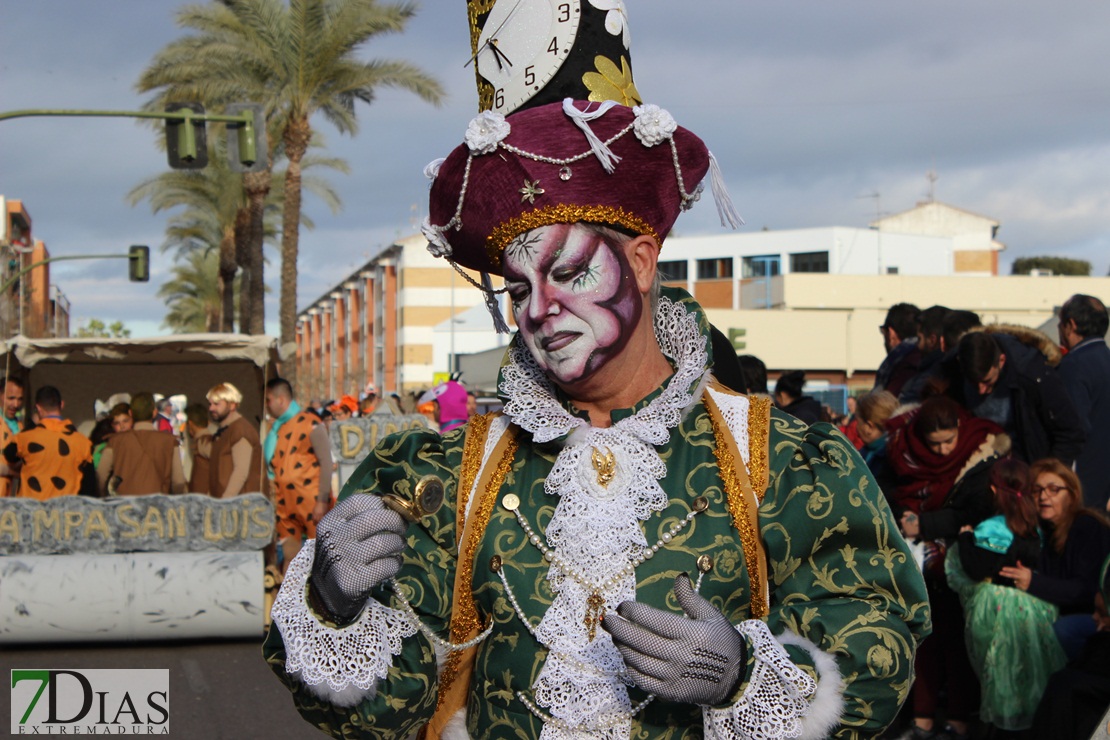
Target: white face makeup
574	298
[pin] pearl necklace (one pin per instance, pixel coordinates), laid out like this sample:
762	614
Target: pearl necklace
427	631
595	602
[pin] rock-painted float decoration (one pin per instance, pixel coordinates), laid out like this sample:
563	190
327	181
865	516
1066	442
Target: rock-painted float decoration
132	567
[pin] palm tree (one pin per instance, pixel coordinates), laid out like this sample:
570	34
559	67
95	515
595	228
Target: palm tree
192	297
215	218
297	59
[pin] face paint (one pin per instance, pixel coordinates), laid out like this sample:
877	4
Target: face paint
574	298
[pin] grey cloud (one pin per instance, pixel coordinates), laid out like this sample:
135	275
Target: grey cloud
807	105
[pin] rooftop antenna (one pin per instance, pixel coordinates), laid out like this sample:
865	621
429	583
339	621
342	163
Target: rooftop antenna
878	227
932	177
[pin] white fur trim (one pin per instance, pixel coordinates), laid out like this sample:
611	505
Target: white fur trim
442	654
827	705
455	729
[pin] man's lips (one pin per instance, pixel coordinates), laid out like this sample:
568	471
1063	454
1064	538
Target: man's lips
558	340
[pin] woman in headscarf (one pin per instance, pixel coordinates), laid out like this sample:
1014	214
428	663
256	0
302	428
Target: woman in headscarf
942	456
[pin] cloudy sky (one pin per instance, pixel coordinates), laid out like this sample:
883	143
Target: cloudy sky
809	105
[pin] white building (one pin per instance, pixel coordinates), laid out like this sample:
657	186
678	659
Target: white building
735	270
975	249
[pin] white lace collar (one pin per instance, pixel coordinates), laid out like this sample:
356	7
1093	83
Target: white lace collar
532	403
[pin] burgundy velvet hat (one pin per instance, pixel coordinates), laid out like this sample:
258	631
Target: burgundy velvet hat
632	168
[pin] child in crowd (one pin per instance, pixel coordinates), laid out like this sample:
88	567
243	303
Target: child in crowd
1009	634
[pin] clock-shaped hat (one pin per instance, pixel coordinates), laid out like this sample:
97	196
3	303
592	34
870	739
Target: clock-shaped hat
528	53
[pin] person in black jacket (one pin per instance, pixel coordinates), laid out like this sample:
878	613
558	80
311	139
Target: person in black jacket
1009	380
903	356
930	329
1085	371
789	397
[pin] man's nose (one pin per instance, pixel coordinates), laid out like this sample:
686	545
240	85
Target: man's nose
541	304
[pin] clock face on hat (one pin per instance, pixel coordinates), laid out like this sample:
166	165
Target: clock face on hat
523	44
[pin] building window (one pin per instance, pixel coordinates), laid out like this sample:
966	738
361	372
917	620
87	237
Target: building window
715	269
762	266
809	262
892	271
674	271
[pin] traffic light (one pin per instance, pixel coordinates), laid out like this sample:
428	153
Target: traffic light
186	142
138	264
246	142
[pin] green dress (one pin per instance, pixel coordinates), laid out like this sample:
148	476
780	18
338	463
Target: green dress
1009	634
838	572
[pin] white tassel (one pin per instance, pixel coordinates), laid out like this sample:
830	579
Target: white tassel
721	198
493	306
581	119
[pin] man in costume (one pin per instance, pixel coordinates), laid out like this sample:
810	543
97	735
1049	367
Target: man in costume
235	461
141	459
554	575
630	549
52	457
199	433
298	460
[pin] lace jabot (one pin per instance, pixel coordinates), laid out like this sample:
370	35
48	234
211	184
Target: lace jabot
596	529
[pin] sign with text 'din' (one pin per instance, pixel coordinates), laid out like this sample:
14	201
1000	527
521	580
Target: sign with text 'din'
69	701
353	439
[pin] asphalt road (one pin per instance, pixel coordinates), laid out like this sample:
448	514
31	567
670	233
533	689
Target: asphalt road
217	689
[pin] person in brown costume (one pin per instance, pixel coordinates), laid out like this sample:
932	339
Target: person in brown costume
141	460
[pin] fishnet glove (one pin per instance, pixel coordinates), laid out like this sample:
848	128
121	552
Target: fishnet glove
358	545
695	661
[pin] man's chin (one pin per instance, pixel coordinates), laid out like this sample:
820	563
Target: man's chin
573	380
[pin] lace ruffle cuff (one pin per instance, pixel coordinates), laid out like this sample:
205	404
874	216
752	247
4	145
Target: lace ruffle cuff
776	699
341	665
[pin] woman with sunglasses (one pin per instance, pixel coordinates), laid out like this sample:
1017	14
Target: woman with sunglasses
1077	541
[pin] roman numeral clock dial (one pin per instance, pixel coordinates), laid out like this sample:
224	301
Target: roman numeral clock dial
523	44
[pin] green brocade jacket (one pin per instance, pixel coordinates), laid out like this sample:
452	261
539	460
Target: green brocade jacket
839	574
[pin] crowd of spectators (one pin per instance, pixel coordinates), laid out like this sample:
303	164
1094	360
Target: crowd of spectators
991	445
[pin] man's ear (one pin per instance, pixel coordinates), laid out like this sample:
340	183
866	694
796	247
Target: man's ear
643	256
1001	361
